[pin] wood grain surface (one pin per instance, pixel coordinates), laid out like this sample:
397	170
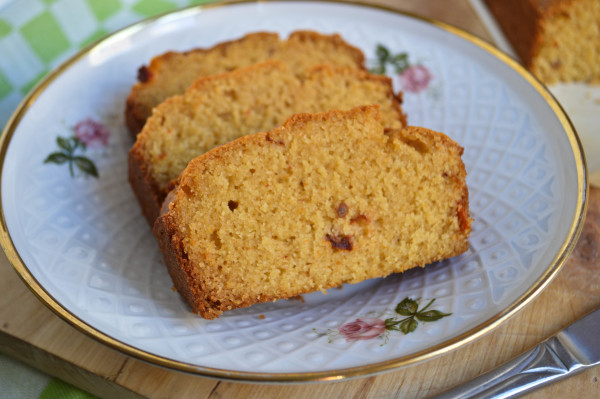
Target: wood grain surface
34	334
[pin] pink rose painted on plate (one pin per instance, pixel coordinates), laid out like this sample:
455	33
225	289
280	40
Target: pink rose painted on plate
87	133
362	328
406	317
91	133
415	78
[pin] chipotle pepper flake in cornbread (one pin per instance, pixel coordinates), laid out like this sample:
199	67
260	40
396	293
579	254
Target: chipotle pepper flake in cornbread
342	210
340	241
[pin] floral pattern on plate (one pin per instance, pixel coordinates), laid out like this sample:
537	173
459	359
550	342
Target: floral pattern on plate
87	134
414	78
365	328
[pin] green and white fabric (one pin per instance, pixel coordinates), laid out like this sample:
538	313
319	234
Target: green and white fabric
18	381
36	36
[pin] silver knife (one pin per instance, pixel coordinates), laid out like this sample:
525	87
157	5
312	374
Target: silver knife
572	350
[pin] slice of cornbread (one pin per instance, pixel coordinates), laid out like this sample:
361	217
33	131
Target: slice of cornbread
557	40
171	73
221	108
322	200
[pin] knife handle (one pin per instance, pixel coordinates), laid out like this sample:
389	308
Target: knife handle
547	362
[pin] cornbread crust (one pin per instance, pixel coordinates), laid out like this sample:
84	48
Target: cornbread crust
147	192
228	241
557	40
171	73
219	108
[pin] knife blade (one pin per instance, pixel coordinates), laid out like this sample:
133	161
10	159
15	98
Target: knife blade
566	353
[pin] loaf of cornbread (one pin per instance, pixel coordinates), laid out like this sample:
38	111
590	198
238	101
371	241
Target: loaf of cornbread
322	200
557	40
221	108
171	73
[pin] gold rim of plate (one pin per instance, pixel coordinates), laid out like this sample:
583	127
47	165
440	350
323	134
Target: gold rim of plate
328	375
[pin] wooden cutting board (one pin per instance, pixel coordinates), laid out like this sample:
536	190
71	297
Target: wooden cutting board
32	333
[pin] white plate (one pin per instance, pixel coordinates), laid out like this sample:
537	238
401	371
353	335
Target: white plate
83	247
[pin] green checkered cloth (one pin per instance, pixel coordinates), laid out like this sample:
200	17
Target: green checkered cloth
38	35
35	37
19	381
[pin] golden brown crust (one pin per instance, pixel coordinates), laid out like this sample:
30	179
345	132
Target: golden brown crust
135	116
148	92
180	271
147	192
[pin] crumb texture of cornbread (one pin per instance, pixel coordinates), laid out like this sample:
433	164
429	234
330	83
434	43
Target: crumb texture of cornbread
221	108
322	200
173	72
557	40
